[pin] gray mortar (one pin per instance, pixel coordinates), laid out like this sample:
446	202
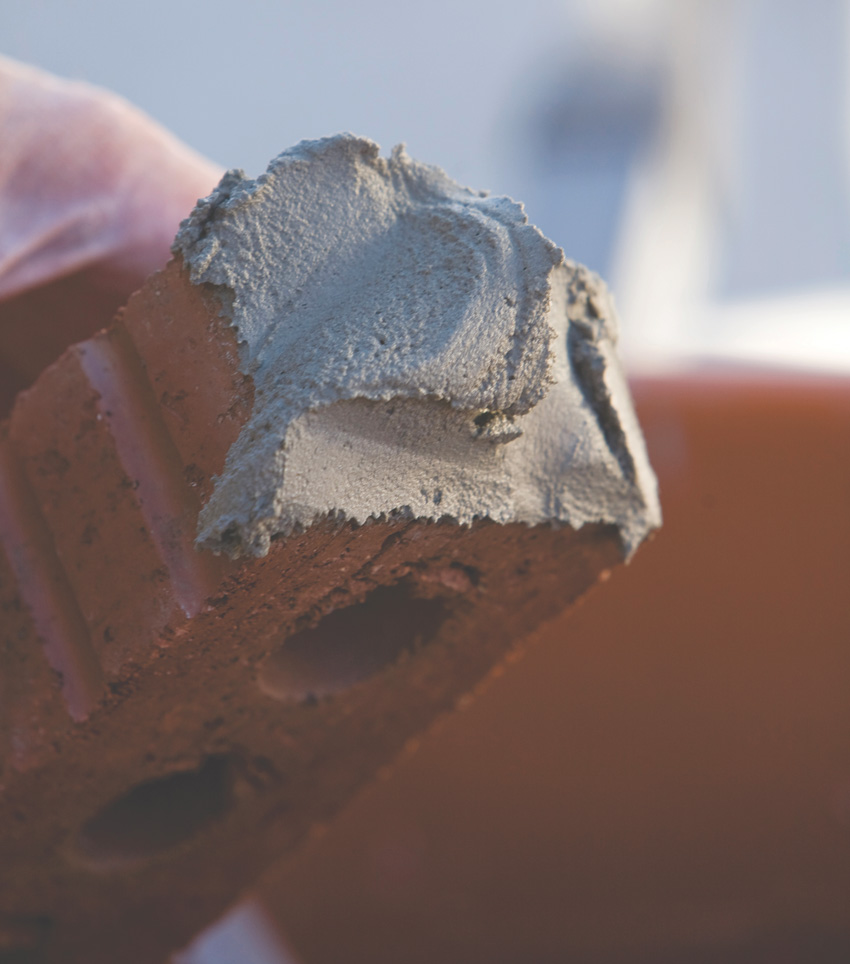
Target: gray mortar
417	349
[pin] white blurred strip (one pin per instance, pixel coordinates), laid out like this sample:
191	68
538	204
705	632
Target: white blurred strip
806	332
245	935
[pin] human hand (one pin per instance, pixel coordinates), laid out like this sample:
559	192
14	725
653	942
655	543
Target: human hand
91	194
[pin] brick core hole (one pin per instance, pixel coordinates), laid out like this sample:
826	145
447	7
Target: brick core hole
352	644
157	815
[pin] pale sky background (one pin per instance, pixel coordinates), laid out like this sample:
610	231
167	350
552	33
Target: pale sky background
240	82
695	152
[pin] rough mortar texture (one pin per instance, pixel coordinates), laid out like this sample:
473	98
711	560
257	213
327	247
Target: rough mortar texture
418	350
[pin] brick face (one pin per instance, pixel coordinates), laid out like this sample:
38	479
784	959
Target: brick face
154	671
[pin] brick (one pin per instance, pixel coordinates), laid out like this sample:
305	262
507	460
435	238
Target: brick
216	711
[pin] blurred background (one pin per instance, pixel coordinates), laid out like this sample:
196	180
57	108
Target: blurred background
694	152
665	777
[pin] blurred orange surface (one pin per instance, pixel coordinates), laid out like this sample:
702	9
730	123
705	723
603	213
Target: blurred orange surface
665	775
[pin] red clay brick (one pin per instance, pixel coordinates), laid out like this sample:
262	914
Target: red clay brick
172	658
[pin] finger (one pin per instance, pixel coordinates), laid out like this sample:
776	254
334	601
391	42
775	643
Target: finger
91	194
86	179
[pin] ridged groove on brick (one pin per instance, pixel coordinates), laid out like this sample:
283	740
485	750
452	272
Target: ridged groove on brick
149	456
44	588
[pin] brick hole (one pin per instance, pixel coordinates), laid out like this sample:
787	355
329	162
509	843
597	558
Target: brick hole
153	817
22	939
350	645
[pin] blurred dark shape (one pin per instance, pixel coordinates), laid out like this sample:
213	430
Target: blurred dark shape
582	140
